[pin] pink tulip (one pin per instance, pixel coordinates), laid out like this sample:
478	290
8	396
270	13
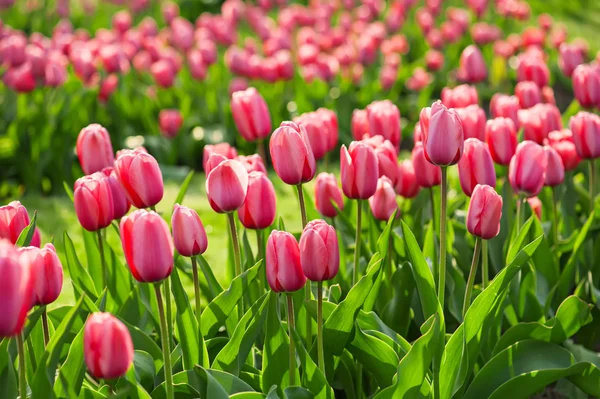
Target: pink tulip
46	270
506	106
528	93
141	177
570	57
328	193
460	96
147	246
476	166
121	21
555	170
359	170
407	185
383	202
419	80
586	134
472	67
562	142
258	211
319	251
170	121
252	163
536	206
317	132
429	174
189	236
94	149
163	73
330	120
13	219
548	95
387	156
182	33
291	154
586	85
251	114
107	346
223	149
485	212
227	186
237	84
107	87
538	121
501	136
121	204
93	201
473	121
360	124
443	137
434	60
527	169
384	120
16	290
533	69
284	269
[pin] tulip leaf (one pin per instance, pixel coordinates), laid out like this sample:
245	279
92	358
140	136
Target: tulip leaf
73	367
69	191
8	377
76	271
183	188
516	243
312	376
214	288
145	369
26	235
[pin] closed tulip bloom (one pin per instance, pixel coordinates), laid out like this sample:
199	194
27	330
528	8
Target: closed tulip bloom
94	149
570	57
328	193
16	290
472	67
359	170
331	122
251	114
387	156
485	212
443	140
562	142
476	166
47	273
359	124
538	121
284	268
319	251
533	69
460	96
93	200
429	174
223	149
189	236
141	177
121	204
147	246
13	219
252	163
384	120
107	346
292	156
258	211
383	202
528	93
170	121
473	121
317	132
536	206
163	73
506	106
527	169
407	185
586	85
501	136
586	134
555	170
227	186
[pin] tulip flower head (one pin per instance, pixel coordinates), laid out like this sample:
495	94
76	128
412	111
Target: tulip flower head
328	193
555	169
140	176
227	186
47	272
284	268
501	137
359	170
292	155
319	251
476	166
260	206
586	134
485	212
383	202
93	200
407	185
170	121
107	346
443	138
16	290
527	169
251	114
94	149
13	219
189	236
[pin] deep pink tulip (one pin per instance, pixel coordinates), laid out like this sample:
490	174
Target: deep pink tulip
251	114
429	174
387	156
13	219
121	21
538	121
384	120
20	78
140	176
223	149
533	69
227	186
419	80
170	10
472	67
434	60
476	166
94	149
562	142
460	96
163	73
485	212
570	57
528	93
182	33
258	211
170	121
527	168
108	87
586	134
503	105
360	124
328	193
383	202
93	200
359	170
407	185
47	272
501	136
147	245
284	268
443	138
473	121
237	84
319	251
536	206
292	155
330	120
107	346
548	95
317	132
16	290
555	170
252	163
121	204
586	85
189	236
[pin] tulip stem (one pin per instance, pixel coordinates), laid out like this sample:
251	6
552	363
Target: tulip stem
196	290
236	256
260	243
485	278
592	179
555	229
102	259
169	307
261	151
291	326
358	241
302	205
442	268
45	327
471	280
22	378
165	343
321	355
518	221
307	293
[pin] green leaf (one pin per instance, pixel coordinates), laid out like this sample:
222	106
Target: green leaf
73	368
76	271
517	242
26	235
375	355
184	188
312	376
144	368
141	341
213	285
69	191
190	341
297	393
8	377
229	382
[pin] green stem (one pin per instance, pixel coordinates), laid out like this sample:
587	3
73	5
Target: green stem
236	255
432	200
302	205
307	288
165	344
519	206
321	355
261	151
555	228
508	200
153	208
358	241
436	380
485	269
169	307
291	326
471	280
260	244
22	378
31	353
442	266
45	327
102	260
196	290
592	179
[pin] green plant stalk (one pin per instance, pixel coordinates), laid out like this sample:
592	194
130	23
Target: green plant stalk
291	327
321	354
443	221
165	343
358	241
22	372
471	279
169	307
555	229
196	290
307	289
236	256
102	259
485	269
519	210
45	327
592	179
261	150
260	244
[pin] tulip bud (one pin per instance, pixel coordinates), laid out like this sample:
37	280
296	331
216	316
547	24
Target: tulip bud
360	124
227	186
93	200
251	114
121	204
443	139
284	269
359	170
163	73
258	211
527	168
476	166
387	156
536	206
528	93
586	134
473	121
383	202
13	220
562	142
170	121
472	67
407	185
555	170
538	121
505	106
94	149
429	174
107	346
327	193
223	149
317	132
570	57
586	85
252	163
460	96
533	69
47	273
147	246
189	236
384	120
292	155
485	212
319	251
140	176
501	136
16	288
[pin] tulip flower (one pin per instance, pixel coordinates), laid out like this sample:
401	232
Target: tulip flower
163	73
533	69
443	136
536	206
429	175
252	163
121	204
538	121
259	208
317	132
107	346
141	177
384	120
528	168
383	203
505	106
555	170
586	85
570	57
586	134
387	156
359	170
528	93
472	67
473	121
93	200
407	185
94	149
501	137
359	124
460	96
13	220
170	121
476	166
562	142
226	186
251	114
328	193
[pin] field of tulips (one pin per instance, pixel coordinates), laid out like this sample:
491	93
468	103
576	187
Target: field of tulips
339	199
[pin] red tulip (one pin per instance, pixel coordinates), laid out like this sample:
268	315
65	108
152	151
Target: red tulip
533	69
555	170
387	156
419	80
227	186
538	121
284	269
472	67
94	149
328	193
252	163
485	212
460	96
93	201
251	114
506	106
359	170
107	346
501	136
384	120
383	202
360	124
317	131
429	174
258	211
107	87
13	219
319	251
528	168
434	60
570	57
189	236
121	204
47	272
170	121
443	138
586	85
163	73
536	206
147	246
16	288
586	134
528	93
562	142
121	21
223	149
292	155
476	166
140	176
473	121
407	185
